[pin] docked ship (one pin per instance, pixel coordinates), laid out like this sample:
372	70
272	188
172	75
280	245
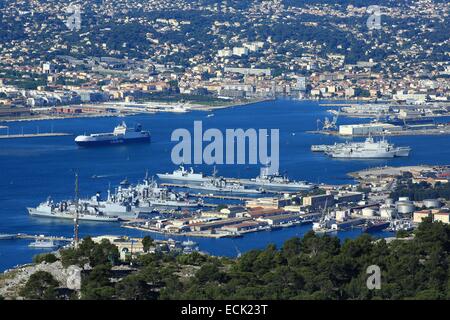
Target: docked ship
325	225
122	134
276	182
221	185
326	147
369	149
119	207
183	175
69	210
410	121
156	197
145	197
374	226
401	225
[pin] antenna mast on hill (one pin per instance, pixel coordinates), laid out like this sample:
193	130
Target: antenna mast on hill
75	220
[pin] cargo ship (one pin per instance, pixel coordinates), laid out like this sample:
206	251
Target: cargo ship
122	134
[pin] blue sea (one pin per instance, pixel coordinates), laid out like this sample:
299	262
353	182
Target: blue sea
33	169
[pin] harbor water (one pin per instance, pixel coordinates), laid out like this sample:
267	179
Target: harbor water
33	169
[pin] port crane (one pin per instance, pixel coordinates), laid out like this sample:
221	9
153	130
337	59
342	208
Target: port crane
328	124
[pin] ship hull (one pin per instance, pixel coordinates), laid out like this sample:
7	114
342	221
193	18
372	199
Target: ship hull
277	187
81	217
173	204
225	190
364	155
376	227
168	177
108	142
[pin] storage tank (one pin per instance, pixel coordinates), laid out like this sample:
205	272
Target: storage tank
388	212
405	207
368	212
432	203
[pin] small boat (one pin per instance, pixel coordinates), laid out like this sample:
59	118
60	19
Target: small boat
188	243
43	244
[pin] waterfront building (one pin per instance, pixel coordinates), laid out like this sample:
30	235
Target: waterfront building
345	197
435	214
216	214
365	129
216	224
268	203
244	226
263	212
318	201
232	212
443	217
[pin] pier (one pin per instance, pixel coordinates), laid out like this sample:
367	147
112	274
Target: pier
207	195
35	237
34	135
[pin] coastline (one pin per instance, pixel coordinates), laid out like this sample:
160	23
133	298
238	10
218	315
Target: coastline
132	112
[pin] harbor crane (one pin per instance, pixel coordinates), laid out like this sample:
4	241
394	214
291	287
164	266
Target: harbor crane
328	124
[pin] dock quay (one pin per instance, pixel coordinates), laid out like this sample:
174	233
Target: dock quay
34	135
442	129
34	237
207	195
186	234
222	197
339	104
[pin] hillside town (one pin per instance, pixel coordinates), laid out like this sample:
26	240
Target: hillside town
216	53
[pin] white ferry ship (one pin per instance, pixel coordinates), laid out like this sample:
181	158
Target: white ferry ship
122	134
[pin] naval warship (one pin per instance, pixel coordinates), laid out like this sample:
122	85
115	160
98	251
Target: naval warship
69	210
121	207
221	185
147	197
276	182
183	175
369	149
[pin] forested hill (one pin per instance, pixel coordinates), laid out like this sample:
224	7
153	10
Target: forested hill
313	267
